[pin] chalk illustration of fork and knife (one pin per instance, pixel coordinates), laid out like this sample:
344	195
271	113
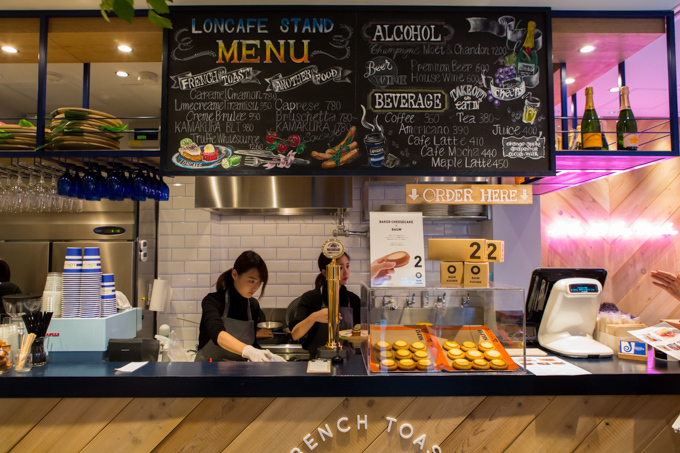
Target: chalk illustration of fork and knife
261	157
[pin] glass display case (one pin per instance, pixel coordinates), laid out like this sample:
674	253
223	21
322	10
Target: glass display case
443	330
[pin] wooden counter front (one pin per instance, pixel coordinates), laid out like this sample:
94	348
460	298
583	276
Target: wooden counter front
476	423
250	407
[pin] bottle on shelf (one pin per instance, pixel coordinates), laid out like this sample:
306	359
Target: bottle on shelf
527	60
626	126
591	132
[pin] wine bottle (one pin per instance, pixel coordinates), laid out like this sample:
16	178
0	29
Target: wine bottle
590	124
626	126
527	61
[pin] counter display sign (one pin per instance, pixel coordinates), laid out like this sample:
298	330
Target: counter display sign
369	91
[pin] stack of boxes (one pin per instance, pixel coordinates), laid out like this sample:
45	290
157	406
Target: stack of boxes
465	262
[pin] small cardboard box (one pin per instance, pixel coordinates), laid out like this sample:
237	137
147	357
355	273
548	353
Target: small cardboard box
475	275
451	274
495	251
472	250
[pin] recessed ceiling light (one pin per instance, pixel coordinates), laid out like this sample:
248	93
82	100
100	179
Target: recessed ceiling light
122	74
586	49
9	49
124	48
614	89
569	81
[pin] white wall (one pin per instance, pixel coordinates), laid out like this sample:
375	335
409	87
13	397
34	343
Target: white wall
195	246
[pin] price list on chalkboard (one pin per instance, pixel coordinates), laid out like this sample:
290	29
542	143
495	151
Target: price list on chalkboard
373	91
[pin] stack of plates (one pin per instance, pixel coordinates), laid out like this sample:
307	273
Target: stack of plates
70	292
15	137
91	284
108	295
394	207
75	128
436	210
467	209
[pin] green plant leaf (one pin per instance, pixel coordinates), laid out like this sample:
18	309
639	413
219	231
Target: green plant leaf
124	9
114	128
25	123
159	6
158	20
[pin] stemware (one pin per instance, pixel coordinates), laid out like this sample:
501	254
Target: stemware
139	188
65	182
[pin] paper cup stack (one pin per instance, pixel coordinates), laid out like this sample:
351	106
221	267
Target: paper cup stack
70	293
51	299
108	296
91	284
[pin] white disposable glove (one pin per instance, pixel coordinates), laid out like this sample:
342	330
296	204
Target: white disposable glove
273	357
254	355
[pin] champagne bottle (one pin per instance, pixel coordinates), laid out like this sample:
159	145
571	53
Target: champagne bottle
527	61
626	126
590	124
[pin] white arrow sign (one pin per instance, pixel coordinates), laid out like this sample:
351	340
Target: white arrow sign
524	195
414	195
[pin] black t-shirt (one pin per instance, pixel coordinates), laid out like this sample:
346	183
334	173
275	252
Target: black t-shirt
212	308
313	300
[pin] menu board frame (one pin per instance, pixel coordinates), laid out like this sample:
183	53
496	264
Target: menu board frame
446	108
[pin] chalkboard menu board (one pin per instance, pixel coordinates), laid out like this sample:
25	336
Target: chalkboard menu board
358	91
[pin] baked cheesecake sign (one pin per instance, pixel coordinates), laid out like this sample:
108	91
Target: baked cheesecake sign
343	425
371	91
397	249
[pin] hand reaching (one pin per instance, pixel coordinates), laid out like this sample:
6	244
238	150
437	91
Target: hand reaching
668	281
381	270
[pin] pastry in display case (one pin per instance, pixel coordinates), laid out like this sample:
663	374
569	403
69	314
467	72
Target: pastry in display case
440	330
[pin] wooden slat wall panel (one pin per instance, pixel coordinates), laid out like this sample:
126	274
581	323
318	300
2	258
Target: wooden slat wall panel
142	425
553	432
647	194
213	425
432	417
18	416
71	424
456	424
284	422
495	423
635	422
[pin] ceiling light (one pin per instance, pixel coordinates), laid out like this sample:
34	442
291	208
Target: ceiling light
586	49
569	81
122	74
124	48
9	49
614	89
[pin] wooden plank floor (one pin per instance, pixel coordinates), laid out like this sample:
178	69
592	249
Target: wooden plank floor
631	423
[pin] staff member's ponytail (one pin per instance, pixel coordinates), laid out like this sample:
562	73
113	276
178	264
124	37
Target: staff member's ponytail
246	261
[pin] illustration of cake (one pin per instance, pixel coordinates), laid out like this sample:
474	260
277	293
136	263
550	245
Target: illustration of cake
189	150
210	154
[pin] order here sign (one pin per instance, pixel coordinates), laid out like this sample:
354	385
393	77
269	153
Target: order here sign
468	194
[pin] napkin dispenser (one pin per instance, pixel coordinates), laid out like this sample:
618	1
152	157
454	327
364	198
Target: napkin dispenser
133	350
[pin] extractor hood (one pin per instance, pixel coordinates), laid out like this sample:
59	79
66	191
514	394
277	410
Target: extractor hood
271	195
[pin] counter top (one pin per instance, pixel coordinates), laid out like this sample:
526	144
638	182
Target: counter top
290	379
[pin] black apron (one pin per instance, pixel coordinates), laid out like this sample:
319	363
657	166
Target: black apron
321	337
241	330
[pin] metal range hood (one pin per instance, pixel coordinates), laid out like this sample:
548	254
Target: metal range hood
273	195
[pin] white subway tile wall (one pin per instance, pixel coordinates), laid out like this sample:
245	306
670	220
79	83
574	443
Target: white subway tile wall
196	246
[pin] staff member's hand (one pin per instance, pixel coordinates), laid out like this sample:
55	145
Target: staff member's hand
668	281
320	316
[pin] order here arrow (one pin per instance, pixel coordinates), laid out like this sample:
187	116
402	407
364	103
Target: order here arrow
524	195
414	195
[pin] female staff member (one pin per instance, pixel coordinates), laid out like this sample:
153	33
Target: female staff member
228	326
311	315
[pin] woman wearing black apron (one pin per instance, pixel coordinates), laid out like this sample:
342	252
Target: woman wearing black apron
230	315
310	319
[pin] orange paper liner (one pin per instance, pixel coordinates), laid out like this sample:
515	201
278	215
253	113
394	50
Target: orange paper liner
434	338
